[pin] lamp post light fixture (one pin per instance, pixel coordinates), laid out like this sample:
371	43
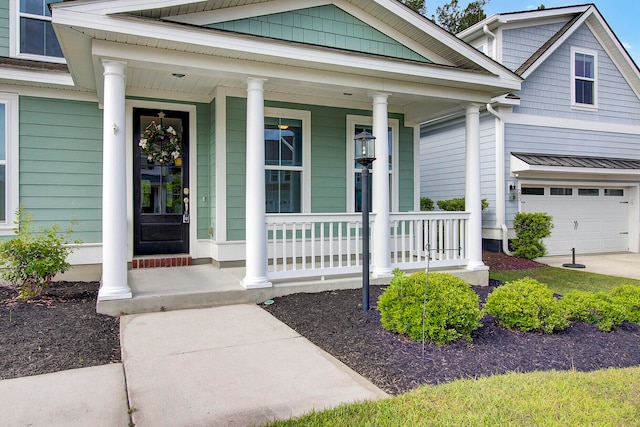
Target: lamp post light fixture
364	144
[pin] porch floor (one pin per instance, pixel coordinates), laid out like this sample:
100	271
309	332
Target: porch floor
204	285
200	286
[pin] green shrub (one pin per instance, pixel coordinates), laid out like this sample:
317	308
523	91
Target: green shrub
599	308
426	204
628	297
530	229
526	305
452	307
457	204
30	261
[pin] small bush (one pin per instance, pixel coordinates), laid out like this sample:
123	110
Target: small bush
457	204
530	229
598	308
426	204
452	307
30	261
526	305
628	297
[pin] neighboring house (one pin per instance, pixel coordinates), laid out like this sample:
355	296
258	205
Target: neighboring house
266	97
567	143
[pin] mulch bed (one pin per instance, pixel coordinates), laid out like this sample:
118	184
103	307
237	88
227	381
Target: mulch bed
334	321
57	331
61	330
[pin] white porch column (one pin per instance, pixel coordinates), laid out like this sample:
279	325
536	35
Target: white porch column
381	234
255	214
114	188
473	203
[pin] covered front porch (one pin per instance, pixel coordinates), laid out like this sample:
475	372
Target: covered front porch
236	83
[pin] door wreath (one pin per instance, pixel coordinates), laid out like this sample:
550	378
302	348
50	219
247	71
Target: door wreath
160	144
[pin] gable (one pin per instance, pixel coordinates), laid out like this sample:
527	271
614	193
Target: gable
519	44
617	101
327	26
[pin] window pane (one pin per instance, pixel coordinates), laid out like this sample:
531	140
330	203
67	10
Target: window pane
584	65
561	191
3	199
614	192
584	92
282	191
3	143
532	191
51	45
283	142
34	7
588	192
37	37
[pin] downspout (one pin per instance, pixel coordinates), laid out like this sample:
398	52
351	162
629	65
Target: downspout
500	180
485	29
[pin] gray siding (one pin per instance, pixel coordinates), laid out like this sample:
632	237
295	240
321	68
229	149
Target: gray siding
520	43
442	161
539	139
547	92
488	168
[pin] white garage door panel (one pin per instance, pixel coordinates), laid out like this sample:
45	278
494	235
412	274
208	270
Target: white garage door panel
591	224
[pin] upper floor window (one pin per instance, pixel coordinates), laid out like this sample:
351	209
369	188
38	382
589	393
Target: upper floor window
33	33
584	71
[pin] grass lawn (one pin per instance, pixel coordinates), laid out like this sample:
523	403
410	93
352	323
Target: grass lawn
563	280
608	397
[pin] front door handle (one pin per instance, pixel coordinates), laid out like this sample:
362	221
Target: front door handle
185	215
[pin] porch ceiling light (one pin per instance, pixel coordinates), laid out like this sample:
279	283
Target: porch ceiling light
365	151
178	75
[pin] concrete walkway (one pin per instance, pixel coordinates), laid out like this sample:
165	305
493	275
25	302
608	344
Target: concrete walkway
225	366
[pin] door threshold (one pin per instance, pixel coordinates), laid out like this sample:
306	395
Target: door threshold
161	261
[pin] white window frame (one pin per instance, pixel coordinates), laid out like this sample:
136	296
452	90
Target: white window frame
10	101
574	104
14	45
305	170
394	124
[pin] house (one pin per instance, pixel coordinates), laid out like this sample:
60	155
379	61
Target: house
567	143
259	102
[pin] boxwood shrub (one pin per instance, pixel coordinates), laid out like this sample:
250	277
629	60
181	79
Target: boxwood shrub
628	296
599	308
526	305
451	311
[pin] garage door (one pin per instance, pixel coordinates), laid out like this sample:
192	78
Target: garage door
590	219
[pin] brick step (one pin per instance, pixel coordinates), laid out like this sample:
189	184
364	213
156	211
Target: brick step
161	261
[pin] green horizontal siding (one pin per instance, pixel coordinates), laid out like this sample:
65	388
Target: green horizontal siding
4	28
61	164
203	170
328	160
325	25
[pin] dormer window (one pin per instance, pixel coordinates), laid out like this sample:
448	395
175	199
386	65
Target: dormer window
33	33
584	71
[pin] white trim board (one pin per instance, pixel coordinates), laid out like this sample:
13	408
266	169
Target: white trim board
559	122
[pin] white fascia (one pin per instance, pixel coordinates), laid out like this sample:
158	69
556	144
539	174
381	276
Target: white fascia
203	64
49	77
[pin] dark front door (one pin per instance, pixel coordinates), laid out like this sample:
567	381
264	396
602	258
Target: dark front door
161	182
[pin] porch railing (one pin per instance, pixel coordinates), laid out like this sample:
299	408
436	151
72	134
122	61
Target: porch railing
319	245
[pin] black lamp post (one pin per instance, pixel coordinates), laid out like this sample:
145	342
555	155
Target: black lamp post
365	155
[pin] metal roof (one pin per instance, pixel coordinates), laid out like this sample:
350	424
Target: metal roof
535	159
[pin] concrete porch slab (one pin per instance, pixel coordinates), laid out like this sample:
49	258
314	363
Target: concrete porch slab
204	285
